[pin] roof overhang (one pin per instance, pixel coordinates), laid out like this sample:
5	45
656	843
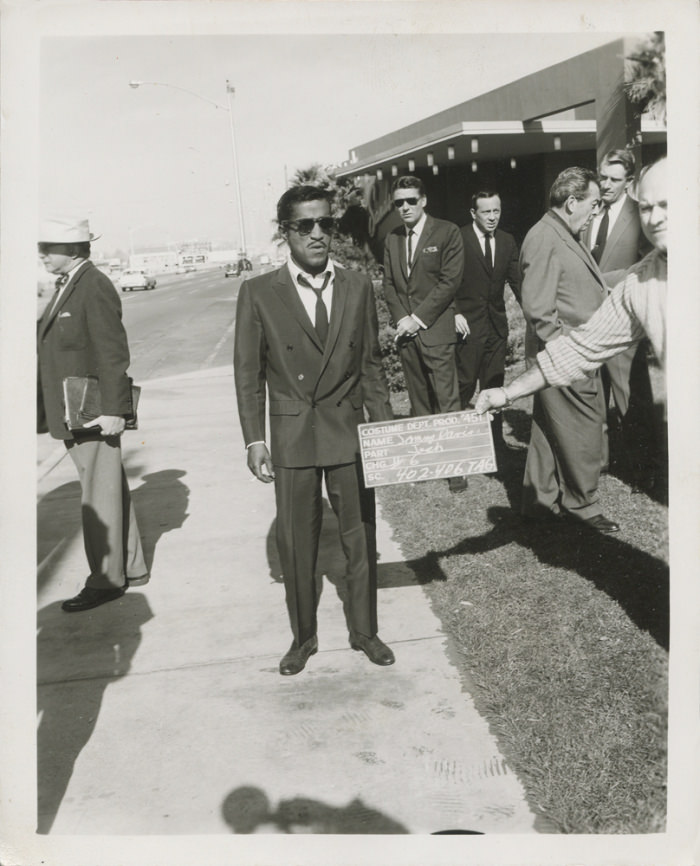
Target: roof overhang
462	143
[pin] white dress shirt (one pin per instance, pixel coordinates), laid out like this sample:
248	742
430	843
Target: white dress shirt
613	213
481	237
70	274
308	296
417	230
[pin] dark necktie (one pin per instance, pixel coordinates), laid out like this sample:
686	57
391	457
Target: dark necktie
487	252
409	253
602	236
321	313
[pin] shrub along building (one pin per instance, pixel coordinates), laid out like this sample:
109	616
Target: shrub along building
514	139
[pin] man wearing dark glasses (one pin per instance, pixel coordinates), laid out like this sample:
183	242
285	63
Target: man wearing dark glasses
307	339
423	265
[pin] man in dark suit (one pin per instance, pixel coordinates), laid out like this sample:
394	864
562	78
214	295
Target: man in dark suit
490	260
562	287
617	242
423	264
81	334
307	336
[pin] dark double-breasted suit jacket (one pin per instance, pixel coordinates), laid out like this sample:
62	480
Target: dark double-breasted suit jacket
316	399
316	394
82	336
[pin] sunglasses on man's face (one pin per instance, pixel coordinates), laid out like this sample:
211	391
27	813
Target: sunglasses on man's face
400	202
306	226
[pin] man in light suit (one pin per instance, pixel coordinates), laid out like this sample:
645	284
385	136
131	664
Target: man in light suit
562	287
81	334
307	337
490	260
423	264
617	242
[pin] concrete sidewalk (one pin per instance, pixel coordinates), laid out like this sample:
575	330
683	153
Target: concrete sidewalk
179	682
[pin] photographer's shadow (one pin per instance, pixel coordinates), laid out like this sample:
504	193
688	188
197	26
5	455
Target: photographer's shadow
248	810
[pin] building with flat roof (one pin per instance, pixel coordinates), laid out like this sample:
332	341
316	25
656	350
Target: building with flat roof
514	139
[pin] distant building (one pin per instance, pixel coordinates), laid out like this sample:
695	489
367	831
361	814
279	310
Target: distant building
514	139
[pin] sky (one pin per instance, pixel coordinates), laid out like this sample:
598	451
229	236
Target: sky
154	165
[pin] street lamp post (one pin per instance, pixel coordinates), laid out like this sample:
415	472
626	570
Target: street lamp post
230	90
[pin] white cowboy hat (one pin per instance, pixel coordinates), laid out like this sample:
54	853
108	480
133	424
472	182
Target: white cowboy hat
59	230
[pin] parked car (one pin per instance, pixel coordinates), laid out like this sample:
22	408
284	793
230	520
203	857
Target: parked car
136	279
233	269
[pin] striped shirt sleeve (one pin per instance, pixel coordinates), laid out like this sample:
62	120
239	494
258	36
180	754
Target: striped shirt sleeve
611	329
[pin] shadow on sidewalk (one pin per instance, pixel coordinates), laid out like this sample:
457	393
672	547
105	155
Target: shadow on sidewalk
331	561
58	519
160	502
637	581
161	506
78	655
248	810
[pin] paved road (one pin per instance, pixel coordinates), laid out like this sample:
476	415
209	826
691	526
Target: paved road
184	325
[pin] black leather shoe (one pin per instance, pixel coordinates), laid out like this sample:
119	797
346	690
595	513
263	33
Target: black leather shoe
88	598
457	484
375	650
600	523
295	660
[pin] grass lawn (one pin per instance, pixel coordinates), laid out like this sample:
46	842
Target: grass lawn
561	633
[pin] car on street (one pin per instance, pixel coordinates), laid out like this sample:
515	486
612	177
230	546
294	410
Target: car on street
136	279
233	269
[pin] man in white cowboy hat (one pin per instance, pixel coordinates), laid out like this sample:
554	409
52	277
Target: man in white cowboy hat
81	334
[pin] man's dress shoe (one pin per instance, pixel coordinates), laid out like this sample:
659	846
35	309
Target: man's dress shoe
295	660
600	523
88	597
375	650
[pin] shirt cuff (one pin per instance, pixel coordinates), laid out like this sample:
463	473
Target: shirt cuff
416	319
257	442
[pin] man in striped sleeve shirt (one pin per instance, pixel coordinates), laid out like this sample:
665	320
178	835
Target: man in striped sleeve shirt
635	307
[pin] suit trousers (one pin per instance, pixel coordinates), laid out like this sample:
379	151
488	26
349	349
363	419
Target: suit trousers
110	532
431	377
562	470
627	377
481	358
299	518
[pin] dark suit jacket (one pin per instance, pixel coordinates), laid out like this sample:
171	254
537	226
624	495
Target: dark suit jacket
480	297
625	246
429	292
83	336
315	395
561	286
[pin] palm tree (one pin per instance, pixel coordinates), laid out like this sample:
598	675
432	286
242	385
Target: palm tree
646	84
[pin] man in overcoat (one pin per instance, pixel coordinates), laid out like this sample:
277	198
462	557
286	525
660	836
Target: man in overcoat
81	334
307	339
562	287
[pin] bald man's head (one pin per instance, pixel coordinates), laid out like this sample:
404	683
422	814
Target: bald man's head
653	204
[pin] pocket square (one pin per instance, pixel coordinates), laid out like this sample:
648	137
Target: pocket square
430	249
63	315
